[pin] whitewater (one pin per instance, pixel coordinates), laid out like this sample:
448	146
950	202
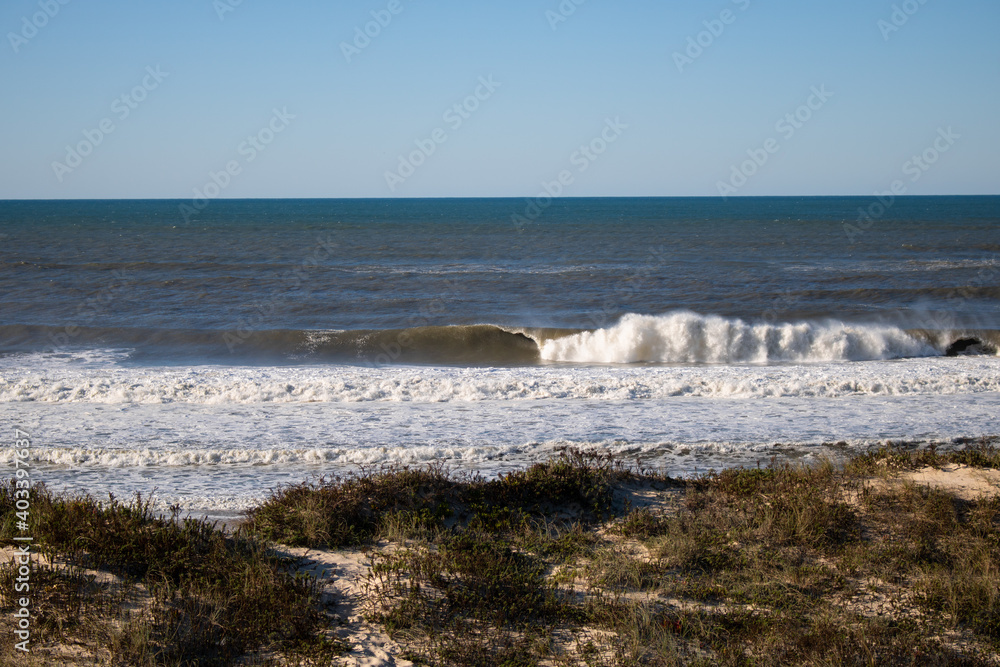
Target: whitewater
272	341
681	392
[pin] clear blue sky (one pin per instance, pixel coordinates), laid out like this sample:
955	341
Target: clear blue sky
892	91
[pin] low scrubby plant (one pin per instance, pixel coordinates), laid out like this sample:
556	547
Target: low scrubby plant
198	596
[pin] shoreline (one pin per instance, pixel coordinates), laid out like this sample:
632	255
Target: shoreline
837	453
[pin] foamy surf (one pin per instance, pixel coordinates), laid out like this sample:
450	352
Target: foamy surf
60	382
690	338
146	457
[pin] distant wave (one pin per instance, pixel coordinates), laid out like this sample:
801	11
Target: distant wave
479	344
680	337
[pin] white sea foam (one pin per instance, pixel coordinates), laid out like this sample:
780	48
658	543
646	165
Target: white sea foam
219	437
227	456
217	385
685	337
104	457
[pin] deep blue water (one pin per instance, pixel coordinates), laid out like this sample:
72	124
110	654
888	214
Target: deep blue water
135	274
268	341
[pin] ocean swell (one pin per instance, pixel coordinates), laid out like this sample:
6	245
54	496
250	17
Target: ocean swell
679	337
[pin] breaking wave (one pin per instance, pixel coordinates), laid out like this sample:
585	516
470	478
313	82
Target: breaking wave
686	337
680	337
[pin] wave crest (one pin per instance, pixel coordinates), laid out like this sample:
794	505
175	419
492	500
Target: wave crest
686	337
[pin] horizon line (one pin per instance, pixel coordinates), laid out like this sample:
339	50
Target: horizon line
456	197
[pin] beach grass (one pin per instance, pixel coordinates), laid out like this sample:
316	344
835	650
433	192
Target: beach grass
580	560
135	588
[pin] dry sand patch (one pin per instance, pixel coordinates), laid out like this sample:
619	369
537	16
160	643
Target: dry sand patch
342	574
958	480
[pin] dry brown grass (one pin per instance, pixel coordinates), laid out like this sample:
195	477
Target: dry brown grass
823	565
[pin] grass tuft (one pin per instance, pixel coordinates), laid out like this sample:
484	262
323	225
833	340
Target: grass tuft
150	590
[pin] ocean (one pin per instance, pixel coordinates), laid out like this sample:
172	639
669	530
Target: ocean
206	354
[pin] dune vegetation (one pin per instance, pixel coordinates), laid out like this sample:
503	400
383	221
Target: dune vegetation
581	560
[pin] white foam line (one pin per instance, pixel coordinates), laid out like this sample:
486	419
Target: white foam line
249	385
77	457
